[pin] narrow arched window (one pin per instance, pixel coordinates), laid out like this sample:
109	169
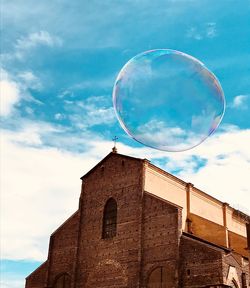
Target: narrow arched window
157	278
109	219
62	281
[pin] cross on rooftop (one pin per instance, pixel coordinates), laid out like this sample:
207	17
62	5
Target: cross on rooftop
114	149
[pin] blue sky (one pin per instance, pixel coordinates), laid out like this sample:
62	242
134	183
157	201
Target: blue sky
59	61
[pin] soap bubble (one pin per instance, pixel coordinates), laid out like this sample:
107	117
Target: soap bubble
168	100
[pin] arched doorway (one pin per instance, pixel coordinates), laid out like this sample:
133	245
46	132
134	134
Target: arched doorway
62	281
157	278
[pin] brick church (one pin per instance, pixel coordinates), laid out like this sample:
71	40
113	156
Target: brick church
139	226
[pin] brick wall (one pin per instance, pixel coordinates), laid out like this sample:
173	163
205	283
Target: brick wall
37	278
161	235
63	249
200	265
111	262
239	263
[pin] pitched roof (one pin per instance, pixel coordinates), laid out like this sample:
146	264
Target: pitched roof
111	154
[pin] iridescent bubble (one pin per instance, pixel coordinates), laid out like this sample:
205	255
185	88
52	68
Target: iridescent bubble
168	100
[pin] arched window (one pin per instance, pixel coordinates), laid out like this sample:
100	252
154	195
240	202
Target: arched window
157	278
62	281
109	219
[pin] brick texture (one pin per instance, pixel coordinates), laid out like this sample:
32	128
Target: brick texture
111	262
161	237
38	277
63	249
200	265
149	235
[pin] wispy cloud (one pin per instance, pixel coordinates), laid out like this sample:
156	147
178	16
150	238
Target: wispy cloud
208	30
14	89
25	44
36	39
93	111
240	102
211	30
9	93
175	135
30	80
59	116
171	137
194	33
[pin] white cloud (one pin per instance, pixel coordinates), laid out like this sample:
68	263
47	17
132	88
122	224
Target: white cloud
226	172
33	40
35	199
164	137
66	93
29	110
239	102
59	116
211	30
36	39
169	138
12	283
41	185
30	80
101	116
9	92
93	111
193	33
207	30
13	89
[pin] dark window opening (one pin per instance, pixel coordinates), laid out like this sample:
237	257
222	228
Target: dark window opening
244	280
109	219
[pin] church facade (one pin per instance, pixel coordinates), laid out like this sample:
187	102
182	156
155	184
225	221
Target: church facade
138	226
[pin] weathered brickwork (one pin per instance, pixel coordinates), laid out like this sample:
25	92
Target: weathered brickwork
204	264
37	279
148	236
63	249
238	265
201	263
161	237
116	261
